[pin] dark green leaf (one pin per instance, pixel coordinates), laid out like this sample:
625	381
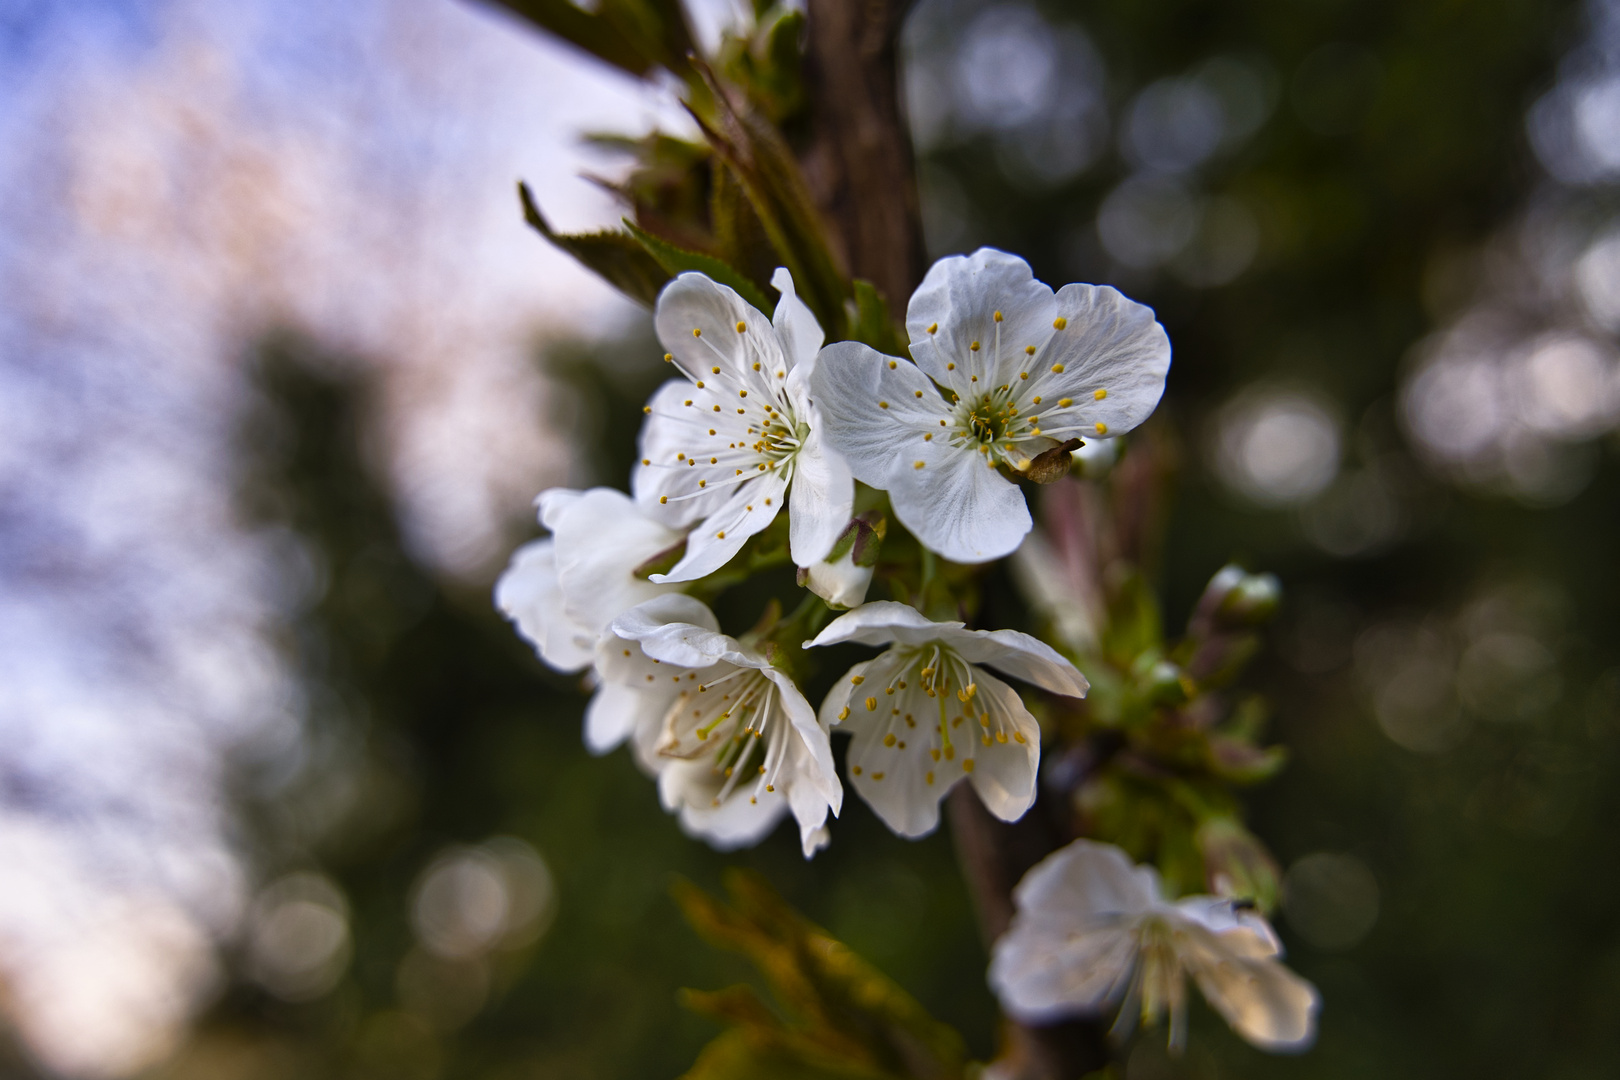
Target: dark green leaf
678	260
616	256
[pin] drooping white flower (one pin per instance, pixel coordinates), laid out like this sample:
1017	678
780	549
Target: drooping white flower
925	715
562	591
1005	369
724	450
737	744
1092	931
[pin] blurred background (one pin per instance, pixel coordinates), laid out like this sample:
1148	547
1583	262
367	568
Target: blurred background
281	370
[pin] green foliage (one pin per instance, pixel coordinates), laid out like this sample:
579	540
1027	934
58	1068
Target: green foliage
676	261
837	1017
619	257
637	36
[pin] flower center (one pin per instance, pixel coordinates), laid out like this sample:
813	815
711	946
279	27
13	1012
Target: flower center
992	424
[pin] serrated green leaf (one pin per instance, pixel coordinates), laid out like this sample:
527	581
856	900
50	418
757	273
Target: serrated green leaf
678	260
839	1015
616	256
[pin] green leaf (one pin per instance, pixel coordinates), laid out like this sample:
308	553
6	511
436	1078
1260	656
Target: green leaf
678	260
616	256
637	36
837	1015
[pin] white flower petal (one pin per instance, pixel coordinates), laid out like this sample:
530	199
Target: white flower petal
1023	657
1112	347
1003	770
1008	651
749	508
665	476
1087	884
957	505
736	823
822	501
602	537
666	636
552	502
875	409
1040	978
796	327
694	302
1263	1001
529	594
616	712
955	308
817	765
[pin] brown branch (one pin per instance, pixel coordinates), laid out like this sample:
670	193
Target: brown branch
858	162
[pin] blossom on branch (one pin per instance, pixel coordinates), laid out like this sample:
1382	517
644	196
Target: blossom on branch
737	743
1092	931
725	449
1005	370
562	591
925	715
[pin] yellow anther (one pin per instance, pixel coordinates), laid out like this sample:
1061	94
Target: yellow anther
714	461
663	499
843	714
1102	429
917	465
935	753
997	316
893	364
1099	394
933	327
883	404
889	690
1059	323
741	326
742	393
917	393
720	535
1001	736
756	367
973	347
717	408
703	483
877	776
950	753
680	457
689	401
700	384
967	764
1029	350
857	679
985	739
646	461
1057	369
888	740
770	787
669	358
767	502
871	704
646	409
1019	737
929	437
928	777
696	332
1036	399
1064	403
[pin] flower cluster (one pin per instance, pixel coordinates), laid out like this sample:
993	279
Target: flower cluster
1006	379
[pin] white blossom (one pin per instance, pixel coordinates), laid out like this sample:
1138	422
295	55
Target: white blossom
1092	931
737	745
562	591
925	715
1005	369
724	449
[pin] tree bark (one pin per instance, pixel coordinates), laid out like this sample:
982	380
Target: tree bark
858	162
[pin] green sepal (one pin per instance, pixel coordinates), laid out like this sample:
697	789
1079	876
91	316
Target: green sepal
678	261
615	256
